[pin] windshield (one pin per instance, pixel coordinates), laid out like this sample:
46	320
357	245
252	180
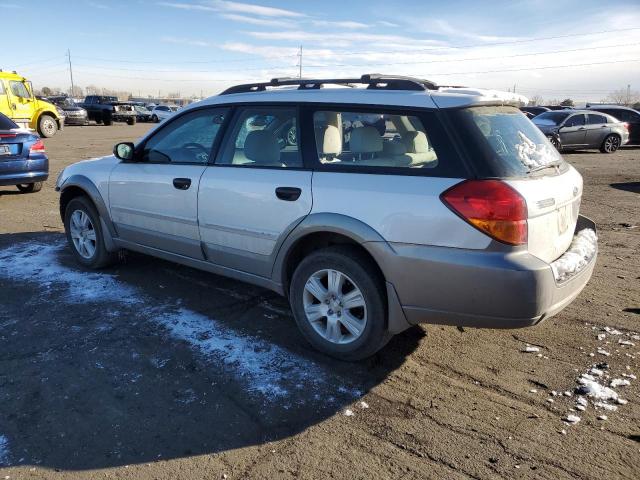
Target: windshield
518	144
551	118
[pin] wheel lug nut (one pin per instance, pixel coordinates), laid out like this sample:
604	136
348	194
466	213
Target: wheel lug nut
330	312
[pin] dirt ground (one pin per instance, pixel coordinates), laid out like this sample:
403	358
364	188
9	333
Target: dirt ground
156	371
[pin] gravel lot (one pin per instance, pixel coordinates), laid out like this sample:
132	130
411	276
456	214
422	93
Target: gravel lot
156	371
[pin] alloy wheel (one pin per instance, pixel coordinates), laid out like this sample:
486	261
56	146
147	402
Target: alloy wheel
611	144
335	306
83	234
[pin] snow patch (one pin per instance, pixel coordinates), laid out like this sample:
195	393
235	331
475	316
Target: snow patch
619	382
580	252
348	412
530	349
266	368
534	155
570	418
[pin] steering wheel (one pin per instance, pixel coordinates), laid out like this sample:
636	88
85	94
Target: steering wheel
197	146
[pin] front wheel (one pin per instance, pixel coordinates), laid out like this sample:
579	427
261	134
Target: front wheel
30	187
610	144
154	118
338	300
131	121
84	234
106	119
47	126
555	142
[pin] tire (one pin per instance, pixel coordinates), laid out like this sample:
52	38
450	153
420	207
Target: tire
555	142
47	126
98	256
369	320
30	187
98	121
610	144
154	118
131	121
106	118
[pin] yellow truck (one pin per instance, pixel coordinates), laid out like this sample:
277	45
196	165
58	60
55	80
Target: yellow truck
18	102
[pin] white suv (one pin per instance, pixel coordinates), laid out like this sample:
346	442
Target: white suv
372	209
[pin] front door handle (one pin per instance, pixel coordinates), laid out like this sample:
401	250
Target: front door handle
289	194
182	183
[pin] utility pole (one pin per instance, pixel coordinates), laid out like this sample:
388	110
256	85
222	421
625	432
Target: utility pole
70	71
628	93
300	63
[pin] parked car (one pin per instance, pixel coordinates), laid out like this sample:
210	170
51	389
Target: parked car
142	113
624	114
582	129
73	114
18	102
406	222
162	112
533	110
558	107
107	109
23	160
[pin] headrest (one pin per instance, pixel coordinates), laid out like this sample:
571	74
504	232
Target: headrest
262	147
330	141
416	142
365	140
394	147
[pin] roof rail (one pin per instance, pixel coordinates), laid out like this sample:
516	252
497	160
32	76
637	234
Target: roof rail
372	80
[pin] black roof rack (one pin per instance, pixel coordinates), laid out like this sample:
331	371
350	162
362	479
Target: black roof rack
374	81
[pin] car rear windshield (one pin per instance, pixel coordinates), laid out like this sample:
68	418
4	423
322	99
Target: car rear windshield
512	144
551	118
6	123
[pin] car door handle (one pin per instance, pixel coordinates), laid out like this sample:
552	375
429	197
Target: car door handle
182	183
582	128
290	194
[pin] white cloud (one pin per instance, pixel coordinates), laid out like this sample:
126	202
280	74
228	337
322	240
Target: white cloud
265	22
188	6
339	24
251	9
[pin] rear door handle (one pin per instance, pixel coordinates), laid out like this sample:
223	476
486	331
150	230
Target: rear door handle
289	194
182	183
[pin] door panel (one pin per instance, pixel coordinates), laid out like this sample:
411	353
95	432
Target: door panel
573	132
241	217
597	130
148	209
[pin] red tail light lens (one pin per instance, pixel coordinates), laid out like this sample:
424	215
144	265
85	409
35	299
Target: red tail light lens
491	206
37	147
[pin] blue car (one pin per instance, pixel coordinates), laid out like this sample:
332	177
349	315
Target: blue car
23	161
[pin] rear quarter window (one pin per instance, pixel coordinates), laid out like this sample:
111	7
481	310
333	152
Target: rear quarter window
502	142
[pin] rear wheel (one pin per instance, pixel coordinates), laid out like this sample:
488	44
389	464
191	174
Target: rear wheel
131	121
338	301
84	234
47	126
154	118
610	144
30	187
106	118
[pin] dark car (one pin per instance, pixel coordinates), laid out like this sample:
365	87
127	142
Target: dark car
107	109
143	114
582	129
558	107
23	161
624	114
73	114
533	110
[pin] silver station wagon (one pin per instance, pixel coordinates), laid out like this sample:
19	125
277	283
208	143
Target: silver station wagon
372	203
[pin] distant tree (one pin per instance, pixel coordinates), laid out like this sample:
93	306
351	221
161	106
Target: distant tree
92	90
567	102
623	97
77	92
536	100
46	91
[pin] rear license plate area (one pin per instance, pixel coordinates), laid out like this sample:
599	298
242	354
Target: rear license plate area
5	150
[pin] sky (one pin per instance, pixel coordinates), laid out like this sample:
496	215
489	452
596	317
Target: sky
551	48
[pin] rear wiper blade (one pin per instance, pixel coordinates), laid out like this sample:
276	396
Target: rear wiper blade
544	167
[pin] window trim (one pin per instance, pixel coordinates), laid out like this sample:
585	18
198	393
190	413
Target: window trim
237	110
575	115
214	148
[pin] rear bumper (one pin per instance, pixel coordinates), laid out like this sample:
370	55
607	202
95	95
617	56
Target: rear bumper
479	288
14	172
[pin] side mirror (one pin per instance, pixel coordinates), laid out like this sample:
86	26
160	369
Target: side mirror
124	151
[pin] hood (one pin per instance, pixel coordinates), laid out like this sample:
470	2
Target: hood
72	109
47	106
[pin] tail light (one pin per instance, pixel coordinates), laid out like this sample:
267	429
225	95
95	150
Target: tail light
491	206
626	125
37	147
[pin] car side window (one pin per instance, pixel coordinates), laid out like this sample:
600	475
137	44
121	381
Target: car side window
575	121
593	119
365	139
263	137
187	139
